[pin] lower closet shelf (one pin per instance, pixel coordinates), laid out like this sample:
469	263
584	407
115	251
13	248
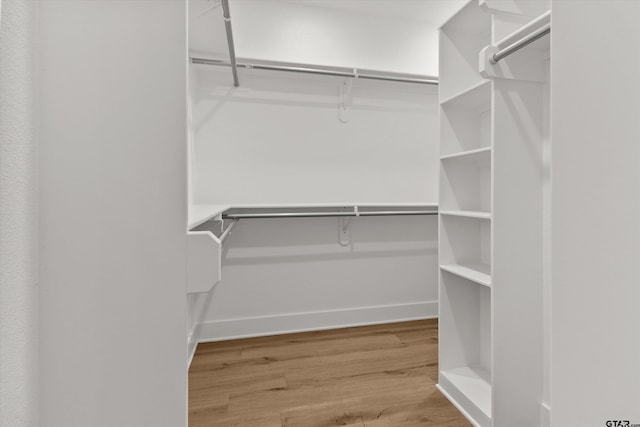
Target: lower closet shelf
472	384
476	272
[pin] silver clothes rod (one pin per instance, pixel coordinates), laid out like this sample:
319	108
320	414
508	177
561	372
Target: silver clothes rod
232	48
324	214
501	54
539	27
321	70
227	231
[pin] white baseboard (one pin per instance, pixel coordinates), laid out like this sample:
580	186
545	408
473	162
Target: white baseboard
469	418
313	321
545	415
192	344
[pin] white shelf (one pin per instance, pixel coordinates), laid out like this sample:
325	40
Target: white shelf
330	205
199	214
465	119
467	214
474	383
476	272
474	97
470	19
481	154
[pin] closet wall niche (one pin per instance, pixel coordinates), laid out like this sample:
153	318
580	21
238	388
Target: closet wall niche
299	143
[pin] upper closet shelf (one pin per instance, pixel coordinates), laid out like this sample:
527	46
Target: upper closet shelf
292	67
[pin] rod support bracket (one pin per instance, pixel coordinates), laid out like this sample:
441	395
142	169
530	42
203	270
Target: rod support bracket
529	67
345	231
486	63
346	100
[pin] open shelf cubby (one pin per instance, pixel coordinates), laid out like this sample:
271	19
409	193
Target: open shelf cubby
465	182
465	344
465	248
461	39
465	121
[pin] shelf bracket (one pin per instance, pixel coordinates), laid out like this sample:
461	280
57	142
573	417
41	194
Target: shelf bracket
345	231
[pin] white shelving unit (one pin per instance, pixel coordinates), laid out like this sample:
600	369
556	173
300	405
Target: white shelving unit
490	246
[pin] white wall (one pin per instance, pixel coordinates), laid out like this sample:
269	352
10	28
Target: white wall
18	218
322	32
313	34
278	140
595	129
292	275
546	256
113	213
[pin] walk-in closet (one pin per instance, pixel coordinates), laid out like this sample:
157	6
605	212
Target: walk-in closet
316	213
382	196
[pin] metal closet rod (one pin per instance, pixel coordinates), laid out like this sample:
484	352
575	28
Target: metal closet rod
298	68
232	49
544	24
320	70
324	214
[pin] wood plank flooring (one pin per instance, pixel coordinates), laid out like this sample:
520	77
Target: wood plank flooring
371	376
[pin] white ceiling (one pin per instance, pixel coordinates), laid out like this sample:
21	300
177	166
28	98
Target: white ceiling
432	11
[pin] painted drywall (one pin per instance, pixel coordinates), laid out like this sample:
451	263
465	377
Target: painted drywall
595	186
18	218
291	275
278	139
325	33
112	78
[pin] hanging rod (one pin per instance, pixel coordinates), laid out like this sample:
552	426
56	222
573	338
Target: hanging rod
320	70
232	49
537	28
325	214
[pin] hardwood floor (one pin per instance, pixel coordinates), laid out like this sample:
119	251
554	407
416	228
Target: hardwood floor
373	376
